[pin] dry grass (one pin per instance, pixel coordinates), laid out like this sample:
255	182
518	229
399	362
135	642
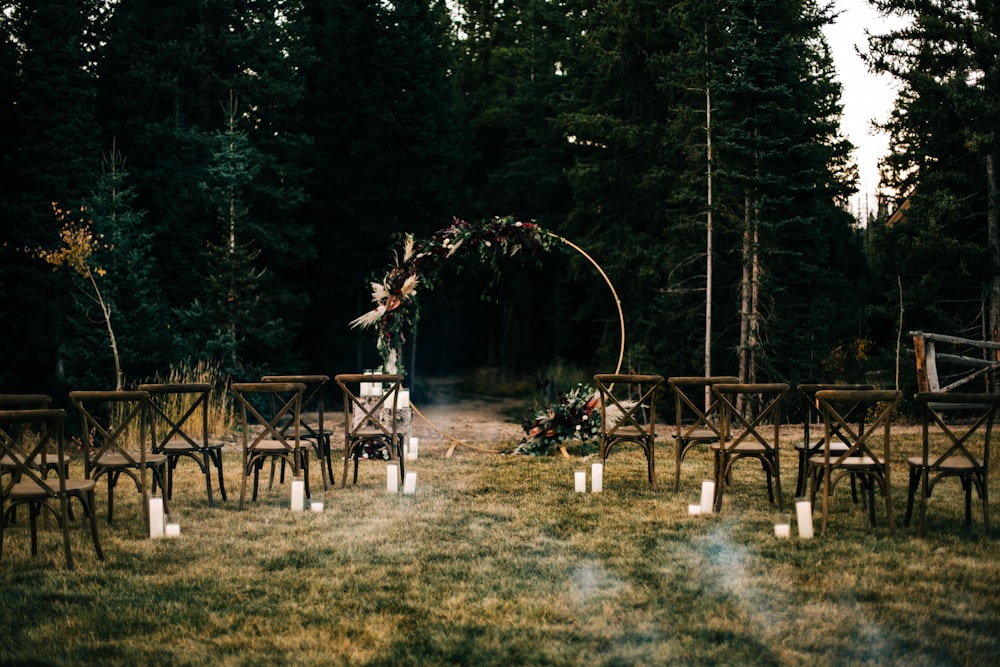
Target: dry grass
496	561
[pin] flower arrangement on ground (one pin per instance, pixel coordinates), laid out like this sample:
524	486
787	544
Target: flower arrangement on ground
575	415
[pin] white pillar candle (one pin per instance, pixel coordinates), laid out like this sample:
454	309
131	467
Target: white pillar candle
804	515
392	478
172	528
156	516
694	509
298	495
580	481
403	400
707	496
410	483
597	478
413	449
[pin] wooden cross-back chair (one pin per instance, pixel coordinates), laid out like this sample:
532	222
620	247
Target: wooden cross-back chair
316	433
628	414
866	457
371	422
960	448
696	417
27	440
264	407
812	434
750	418
179	419
117	440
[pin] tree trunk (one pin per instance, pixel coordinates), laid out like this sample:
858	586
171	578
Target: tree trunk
993	236
708	241
745	289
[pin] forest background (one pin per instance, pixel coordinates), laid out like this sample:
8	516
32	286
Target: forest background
220	180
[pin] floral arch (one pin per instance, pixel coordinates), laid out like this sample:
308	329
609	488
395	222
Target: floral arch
395	312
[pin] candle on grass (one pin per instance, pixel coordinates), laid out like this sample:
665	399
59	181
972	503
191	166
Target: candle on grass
156	516
782	526
298	495
172	527
392	478
580	481
410	483
597	478
804	516
707	496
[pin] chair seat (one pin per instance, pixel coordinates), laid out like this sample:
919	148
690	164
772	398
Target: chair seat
30	490
119	460
834	446
271	447
629	433
745	447
949	464
851	462
180	445
697	435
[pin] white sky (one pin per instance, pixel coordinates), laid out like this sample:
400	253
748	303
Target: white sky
866	97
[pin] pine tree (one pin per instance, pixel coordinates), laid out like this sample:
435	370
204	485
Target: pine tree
945	247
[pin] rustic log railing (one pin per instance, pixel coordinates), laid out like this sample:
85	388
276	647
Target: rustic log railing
969	368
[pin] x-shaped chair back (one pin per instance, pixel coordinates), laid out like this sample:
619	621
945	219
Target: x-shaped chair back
750	427
109	421
812	438
178	427
27	438
370	419
866	454
179	422
313	398
21	402
624	415
696	414
264	408
967	453
117	440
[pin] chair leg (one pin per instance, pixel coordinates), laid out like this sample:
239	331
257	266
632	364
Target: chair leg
915	474
967	488
217	461
89	509
677	466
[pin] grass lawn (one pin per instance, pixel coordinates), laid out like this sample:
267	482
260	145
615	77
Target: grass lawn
496	561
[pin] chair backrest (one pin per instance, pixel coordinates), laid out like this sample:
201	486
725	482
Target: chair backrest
175	413
808	393
745	408
624	402
967	439
24	401
695	407
363	414
114	422
314	398
28	440
264	408
838	406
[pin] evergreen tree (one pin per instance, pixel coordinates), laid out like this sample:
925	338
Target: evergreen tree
166	72
785	179
944	247
51	155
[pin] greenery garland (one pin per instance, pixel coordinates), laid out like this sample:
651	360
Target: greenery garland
395	295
